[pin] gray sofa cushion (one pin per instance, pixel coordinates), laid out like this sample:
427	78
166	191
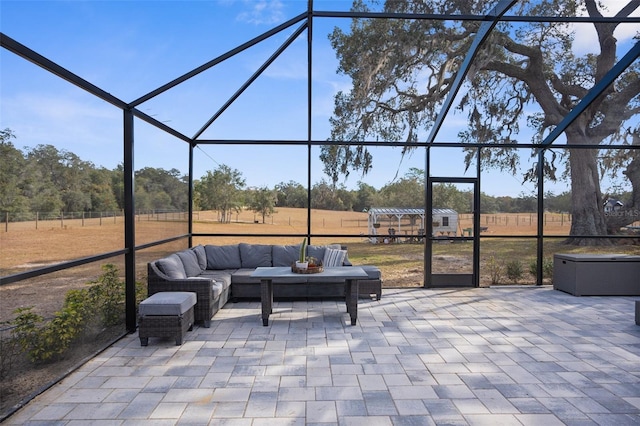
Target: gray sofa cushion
255	255
316	251
285	255
347	262
190	262
243	276
172	267
223	257
202	256
372	271
222	277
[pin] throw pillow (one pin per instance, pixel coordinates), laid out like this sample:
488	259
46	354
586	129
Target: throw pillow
333	257
172	267
190	262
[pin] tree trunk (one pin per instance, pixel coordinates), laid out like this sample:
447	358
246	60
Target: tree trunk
586	199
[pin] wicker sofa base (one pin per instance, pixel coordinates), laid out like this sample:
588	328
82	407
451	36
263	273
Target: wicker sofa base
368	287
166	326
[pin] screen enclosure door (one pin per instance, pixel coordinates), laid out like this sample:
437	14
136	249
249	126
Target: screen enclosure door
452	243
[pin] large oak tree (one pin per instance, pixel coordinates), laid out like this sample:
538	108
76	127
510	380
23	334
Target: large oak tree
403	69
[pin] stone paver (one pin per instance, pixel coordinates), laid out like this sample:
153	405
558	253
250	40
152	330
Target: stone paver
512	355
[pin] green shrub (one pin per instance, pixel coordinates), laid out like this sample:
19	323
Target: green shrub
141	292
495	269
514	270
108	296
26	331
9	351
103	302
47	342
547	267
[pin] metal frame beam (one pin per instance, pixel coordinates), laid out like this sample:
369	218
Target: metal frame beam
251	79
129	222
218	60
470	17
47	64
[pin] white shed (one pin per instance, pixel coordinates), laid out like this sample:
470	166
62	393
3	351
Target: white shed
410	221
445	221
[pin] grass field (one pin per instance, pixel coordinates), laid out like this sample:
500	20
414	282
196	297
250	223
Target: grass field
26	247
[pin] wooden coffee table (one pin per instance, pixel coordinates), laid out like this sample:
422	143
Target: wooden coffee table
350	275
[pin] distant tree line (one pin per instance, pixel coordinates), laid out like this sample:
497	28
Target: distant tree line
47	179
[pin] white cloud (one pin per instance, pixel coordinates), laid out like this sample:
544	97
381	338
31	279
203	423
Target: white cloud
586	38
262	12
87	128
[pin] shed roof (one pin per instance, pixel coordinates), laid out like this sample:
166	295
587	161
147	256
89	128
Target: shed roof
395	211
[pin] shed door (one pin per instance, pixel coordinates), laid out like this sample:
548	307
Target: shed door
452	243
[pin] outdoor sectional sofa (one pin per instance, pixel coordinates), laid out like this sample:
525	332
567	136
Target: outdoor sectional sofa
218	274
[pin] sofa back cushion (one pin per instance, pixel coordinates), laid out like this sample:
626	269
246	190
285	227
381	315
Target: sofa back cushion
172	267
190	262
316	251
202	256
255	255
285	255
223	257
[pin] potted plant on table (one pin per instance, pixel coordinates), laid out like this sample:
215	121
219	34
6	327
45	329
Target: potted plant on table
302	263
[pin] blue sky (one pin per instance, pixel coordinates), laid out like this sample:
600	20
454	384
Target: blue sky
129	48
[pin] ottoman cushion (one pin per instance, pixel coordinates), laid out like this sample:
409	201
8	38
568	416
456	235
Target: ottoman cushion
168	303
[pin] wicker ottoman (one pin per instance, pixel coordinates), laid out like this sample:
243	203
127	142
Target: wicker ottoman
166	314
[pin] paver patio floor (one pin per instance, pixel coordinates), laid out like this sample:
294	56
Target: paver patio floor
501	355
